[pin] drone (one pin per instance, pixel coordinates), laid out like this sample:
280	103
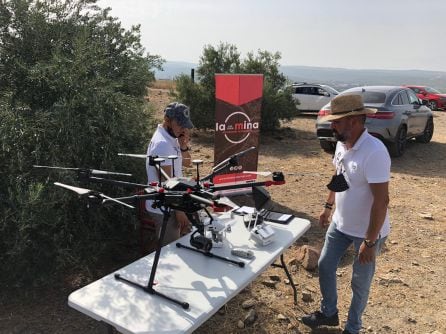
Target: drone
174	193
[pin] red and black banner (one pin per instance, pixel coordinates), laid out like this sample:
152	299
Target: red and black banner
237	123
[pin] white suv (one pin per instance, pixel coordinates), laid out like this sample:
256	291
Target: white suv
312	97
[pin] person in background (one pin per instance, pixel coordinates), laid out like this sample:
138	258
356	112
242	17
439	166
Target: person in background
359	191
170	138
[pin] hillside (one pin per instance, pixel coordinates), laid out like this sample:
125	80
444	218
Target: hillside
339	78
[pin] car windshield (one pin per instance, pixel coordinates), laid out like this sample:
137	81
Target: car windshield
371	97
432	91
330	90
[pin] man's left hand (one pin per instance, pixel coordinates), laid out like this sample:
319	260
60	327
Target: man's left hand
366	254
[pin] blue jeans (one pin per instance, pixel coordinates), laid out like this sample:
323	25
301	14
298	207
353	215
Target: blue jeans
336	244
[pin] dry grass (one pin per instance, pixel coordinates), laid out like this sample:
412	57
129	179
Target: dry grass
164	84
413	260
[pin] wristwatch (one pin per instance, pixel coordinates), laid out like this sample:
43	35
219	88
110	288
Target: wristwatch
185	150
369	243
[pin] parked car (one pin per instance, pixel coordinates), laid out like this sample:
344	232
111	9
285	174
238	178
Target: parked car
401	116
312	97
435	99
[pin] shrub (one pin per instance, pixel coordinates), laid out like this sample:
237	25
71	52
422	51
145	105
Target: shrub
225	58
72	86
200	102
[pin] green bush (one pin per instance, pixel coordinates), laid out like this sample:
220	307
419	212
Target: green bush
200	102
72	86
277	104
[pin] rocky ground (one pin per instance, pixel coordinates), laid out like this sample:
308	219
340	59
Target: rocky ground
408	292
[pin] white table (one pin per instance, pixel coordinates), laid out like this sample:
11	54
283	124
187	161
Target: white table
205	283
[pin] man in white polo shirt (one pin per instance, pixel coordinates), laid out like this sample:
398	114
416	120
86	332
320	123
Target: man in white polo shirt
360	192
170	138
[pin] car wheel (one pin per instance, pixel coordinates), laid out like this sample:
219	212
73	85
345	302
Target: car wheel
432	105
328	146
398	147
428	132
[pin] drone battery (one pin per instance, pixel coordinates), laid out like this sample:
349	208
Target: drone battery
245	253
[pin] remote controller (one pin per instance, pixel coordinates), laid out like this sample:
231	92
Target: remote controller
246	253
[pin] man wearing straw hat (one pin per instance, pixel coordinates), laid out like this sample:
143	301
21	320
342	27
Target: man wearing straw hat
359	190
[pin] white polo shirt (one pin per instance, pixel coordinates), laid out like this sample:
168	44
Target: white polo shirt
368	161
162	144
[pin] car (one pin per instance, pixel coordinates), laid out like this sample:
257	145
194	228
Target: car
311	97
435	99
401	116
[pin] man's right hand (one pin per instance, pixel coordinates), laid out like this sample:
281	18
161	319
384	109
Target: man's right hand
324	218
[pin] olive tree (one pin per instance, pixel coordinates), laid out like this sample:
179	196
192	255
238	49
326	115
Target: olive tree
72	87
225	58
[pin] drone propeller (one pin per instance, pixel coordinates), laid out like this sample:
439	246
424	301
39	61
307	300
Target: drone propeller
226	201
141	156
77	190
84	191
116	201
91	171
258	173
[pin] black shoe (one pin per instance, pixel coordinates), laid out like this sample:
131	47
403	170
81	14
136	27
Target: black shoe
346	332
317	319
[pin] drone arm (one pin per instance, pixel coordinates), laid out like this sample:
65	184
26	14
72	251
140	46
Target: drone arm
231	161
156	164
164	173
110	199
134	198
247	185
233	158
217	169
202	200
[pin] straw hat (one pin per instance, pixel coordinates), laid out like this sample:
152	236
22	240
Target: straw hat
347	105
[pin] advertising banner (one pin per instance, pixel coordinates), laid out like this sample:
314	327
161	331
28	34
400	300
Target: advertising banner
237	123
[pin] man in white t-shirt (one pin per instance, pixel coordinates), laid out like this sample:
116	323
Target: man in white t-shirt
170	138
360	191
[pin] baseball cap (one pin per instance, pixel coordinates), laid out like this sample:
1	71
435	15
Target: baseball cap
180	113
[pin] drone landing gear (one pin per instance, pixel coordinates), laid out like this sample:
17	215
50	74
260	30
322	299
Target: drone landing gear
149	288
241	264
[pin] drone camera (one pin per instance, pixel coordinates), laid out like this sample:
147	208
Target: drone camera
201	242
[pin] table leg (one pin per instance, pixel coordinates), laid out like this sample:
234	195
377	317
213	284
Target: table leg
106	328
283	265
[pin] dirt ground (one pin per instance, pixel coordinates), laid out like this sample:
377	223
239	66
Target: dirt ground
408	292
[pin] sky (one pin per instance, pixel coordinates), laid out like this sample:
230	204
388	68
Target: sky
354	34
